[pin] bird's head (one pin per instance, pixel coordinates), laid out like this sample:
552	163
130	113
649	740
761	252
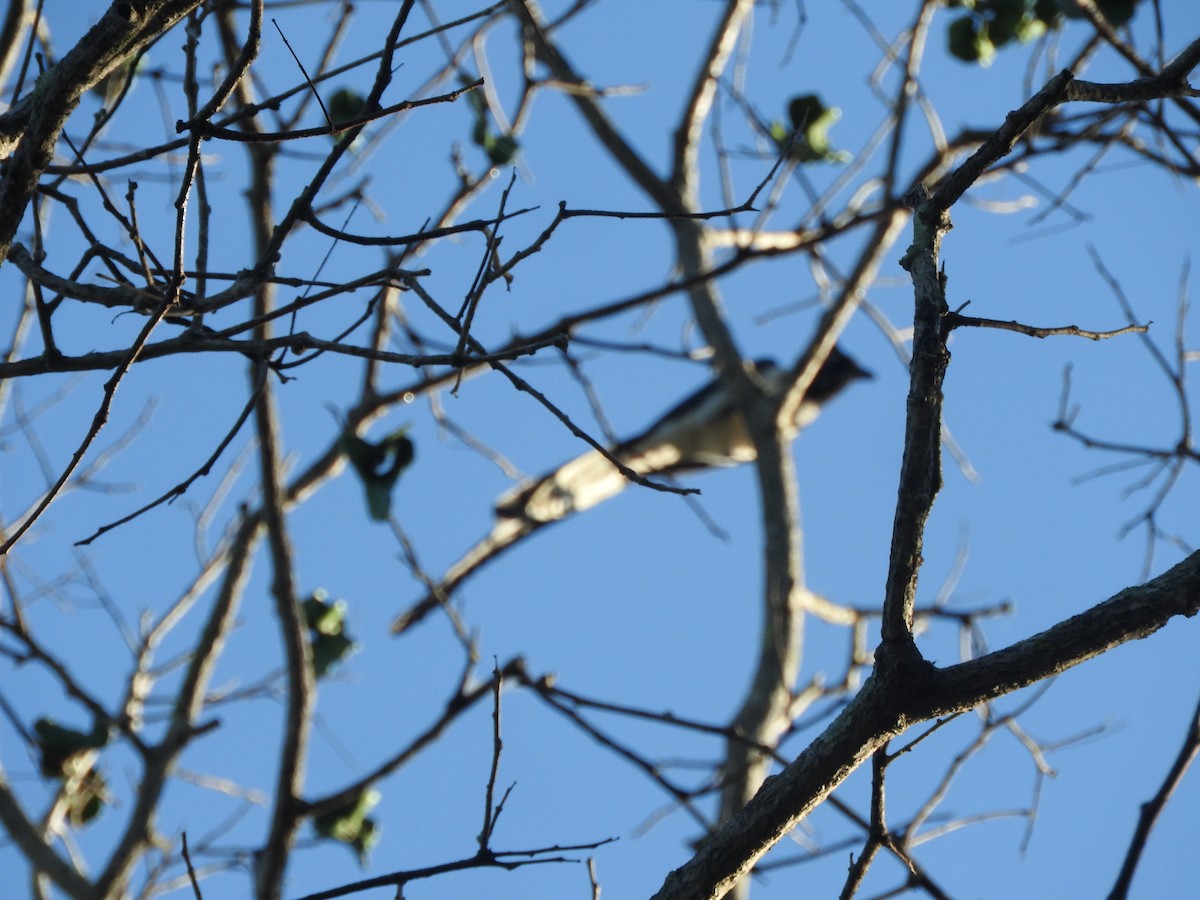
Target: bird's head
839	370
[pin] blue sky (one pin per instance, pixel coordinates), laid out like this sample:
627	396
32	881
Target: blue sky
636	602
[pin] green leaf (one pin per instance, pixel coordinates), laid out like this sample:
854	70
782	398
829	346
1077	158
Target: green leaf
348	824
808	140
328	650
1005	20
480	134
87	798
968	40
1030	28
329	641
475	98
1047	11
62	757
321	616
501	149
58	745
345	105
804	110
378	466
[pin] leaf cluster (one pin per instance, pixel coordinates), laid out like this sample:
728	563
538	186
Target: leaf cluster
65	755
329	641
988	25
378	466
350	824
807	138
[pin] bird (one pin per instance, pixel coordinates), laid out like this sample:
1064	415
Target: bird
704	431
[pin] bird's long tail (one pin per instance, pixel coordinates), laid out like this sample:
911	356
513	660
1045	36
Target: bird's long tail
573	487
503	535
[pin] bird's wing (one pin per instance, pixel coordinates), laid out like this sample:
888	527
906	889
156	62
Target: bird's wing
703	431
573	487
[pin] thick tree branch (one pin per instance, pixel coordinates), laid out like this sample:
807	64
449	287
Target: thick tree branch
914	692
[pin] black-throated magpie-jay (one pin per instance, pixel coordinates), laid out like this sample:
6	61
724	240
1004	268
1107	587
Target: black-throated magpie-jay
704	431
